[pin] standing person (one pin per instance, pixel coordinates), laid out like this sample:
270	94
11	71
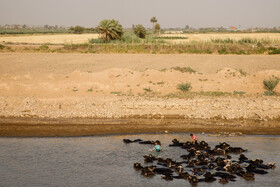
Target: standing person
194	139
158	148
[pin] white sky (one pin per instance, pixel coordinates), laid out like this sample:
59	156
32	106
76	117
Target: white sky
170	13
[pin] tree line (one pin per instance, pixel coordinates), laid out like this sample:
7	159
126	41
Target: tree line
111	29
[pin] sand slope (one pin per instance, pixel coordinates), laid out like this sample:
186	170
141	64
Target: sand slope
59	86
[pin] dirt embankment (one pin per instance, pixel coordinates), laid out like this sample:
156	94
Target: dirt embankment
44	94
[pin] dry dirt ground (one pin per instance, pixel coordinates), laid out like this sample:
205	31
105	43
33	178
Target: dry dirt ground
49	38
57	86
273	37
84	38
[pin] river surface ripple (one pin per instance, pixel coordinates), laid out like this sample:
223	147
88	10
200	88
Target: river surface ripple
107	161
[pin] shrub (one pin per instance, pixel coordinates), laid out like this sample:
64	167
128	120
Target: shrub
243	73
247	41
2	46
130	37
268	93
184	87
184	69
270	84
147	89
228	40
239	92
273	50
78	29
223	51
96	41
44	47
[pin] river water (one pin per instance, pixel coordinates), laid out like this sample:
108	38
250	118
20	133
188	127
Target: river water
107	161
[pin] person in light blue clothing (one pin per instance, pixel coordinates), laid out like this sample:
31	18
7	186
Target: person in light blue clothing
158	148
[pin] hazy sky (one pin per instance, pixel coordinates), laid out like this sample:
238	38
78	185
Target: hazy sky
170	13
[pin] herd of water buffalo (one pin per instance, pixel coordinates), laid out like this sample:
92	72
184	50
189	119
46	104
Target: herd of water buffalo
203	163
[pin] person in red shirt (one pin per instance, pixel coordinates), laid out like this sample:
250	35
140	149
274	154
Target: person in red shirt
194	139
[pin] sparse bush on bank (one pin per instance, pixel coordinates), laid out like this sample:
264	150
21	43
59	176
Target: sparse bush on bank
147	89
184	87
242	72
2	46
184	95
268	93
184	69
238	92
44	47
273	50
270	84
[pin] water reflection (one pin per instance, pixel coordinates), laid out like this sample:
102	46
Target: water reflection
107	161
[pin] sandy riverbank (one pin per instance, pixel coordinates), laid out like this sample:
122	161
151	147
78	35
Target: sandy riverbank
50	87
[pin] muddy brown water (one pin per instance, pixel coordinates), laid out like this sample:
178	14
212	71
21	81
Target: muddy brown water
107	161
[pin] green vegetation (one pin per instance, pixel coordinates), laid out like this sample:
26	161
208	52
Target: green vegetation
243	73
184	87
184	95
228	40
153	20
33	31
270	84
273	50
2	46
170	37
110	30
130	43
115	40
116	93
268	93
238	92
46	29
96	41
184	69
157	28
257	42
147	89
140	31
90	90
129	38
78	29
161	82
44	47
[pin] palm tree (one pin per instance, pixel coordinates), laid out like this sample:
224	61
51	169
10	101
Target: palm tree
157	28
140	31
153	20
110	30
